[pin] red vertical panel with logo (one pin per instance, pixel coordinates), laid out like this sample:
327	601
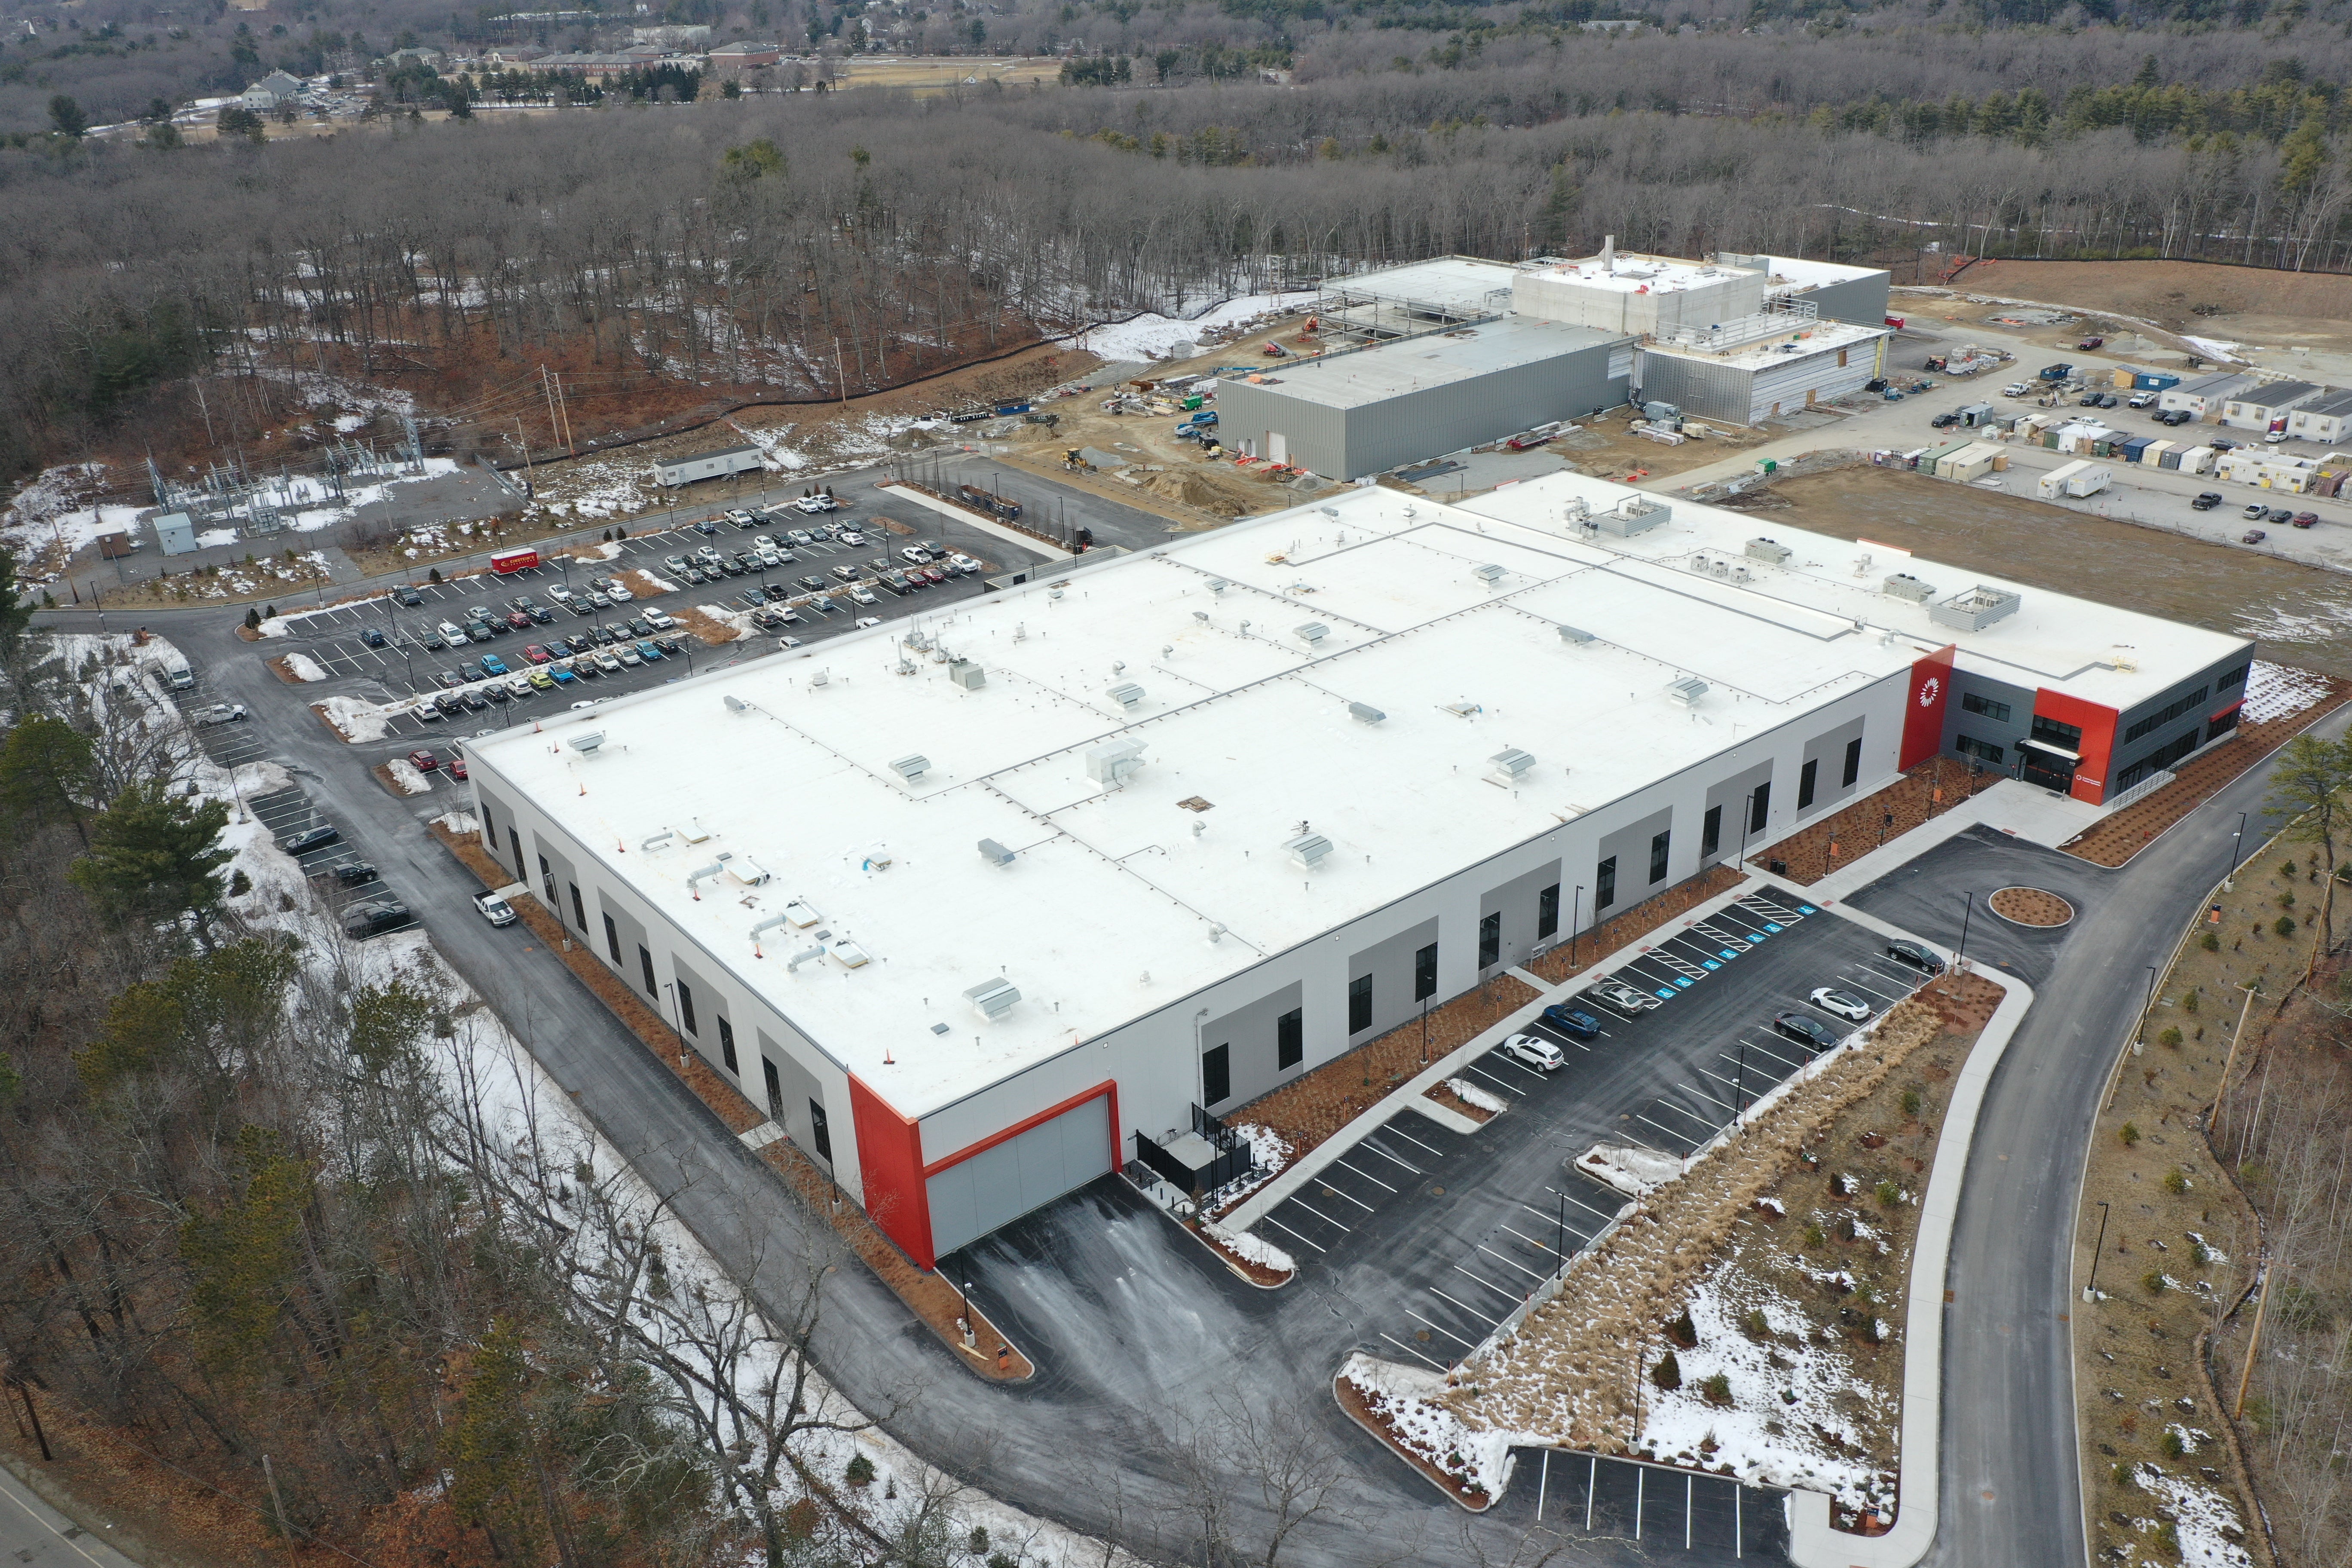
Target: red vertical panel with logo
2097	746
890	1164
1923	714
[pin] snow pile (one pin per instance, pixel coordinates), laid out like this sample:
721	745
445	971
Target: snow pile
1152	336
655	585
2214	348
2206	1521
737	621
301	666
1251	1248
1406	1398
355	718
1785	1423
57	508
2277	690
458	822
408	776
1634	1172
1471	1094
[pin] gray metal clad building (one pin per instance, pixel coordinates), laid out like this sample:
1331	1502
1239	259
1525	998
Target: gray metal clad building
1364	411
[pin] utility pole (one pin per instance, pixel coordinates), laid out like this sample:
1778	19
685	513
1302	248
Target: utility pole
524	442
564	407
2237	1038
2254	1344
840	381
2091	1286
555	429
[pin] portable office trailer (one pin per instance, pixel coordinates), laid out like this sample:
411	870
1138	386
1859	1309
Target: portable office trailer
2154	380
2203	397
2327	418
706	466
2074	480
2196	460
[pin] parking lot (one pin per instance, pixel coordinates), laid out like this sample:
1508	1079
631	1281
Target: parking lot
385	639
1666	1511
288	812
1439	1235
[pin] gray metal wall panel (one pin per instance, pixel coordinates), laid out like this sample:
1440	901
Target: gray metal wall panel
1516	900
1828	750
798	1087
998	1185
1412	426
1699	388
1861	301
1249	1033
1390	963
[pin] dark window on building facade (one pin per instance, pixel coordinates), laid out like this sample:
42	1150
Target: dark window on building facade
1661	850
1425	974
613	937
515	840
2234	678
1970	746
547	880
775	1090
1548	911
1604	884
686	1007
1490	939
646	963
579	909
1996	711
1710	831
2216	728
2050	733
2164	715
2164	756
1360	1003
1289	1039
1807	776
1760	807
820	1131
1853	764
1216	1075
727	1044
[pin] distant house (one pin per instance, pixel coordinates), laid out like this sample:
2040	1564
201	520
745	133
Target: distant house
729	58
416	57
271	92
516	56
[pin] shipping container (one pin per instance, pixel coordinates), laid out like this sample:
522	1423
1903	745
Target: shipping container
2154	381
2171	459
2122	378
2136	446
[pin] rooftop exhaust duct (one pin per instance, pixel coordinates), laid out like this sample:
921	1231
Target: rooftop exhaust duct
1313	632
1308	850
911	766
1574	636
995	854
1112	764
1510	765
967	674
1489	574
1365	712
1685	691
993	998
1127	694
584	744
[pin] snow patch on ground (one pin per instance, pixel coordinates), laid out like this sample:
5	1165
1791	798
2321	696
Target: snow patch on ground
1407	1396
459	822
2214	348
655	585
1152	336
357	719
739	621
303	667
1252	1249
1471	1094
1270	1155
1634	1172
2275	691
411	778
2202	1516
57	506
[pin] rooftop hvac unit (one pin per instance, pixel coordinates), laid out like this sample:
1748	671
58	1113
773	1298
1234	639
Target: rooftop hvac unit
800	914
1574	636
1218	585
746	870
1634	514
1974	609
1313	632
849	955
584	744
1761	549
1510	765
995	854
993	998
966	674
1685	691
1112	764
1489	574
911	766
1127	694
1365	712
1308	850
1903	586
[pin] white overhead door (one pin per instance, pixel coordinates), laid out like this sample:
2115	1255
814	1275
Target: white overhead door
1277	446
998	1185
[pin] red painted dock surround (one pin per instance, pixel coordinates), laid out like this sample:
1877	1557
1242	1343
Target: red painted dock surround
1923	715
2097	723
890	1163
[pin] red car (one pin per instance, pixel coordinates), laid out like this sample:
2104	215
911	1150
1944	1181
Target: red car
518	620
456	767
2307	520
424	762
536	653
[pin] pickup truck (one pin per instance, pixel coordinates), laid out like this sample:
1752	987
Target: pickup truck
495	910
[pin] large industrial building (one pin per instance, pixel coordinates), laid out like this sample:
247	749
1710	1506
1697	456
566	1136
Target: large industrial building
981	906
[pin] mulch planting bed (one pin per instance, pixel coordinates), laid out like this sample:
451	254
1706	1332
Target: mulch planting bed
1439	1094
1926	792
2121	835
1621	930
927	1295
1360	1409
2031	907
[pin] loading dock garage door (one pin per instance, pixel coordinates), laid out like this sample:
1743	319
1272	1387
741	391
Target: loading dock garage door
1001	1183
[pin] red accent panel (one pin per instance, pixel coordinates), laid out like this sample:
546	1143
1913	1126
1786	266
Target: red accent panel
1107	1085
1923	710
890	1163
2097	723
2224	713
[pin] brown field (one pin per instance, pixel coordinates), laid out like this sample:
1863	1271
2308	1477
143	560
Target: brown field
2250	303
936	72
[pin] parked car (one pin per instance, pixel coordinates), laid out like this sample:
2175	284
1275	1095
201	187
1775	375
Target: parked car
482	631
456	768
1803	1030
449	679
424	762
864	621
537	654
2306	520
1843	1004
1916	956
2018	389
2141	400
372	637
220	713
472	700
2207	502
2253	536
2277	515
354	873
518	621
1572	1022
649	650
492	665
914	555
659	620
606	662
1943	421
812	583
628	655
309	838
843	573
373	916
1623	998
963	564
562	673
1536	1052
2255	511
407	598
449	705
618	592
862	595
540	680
815	504
854	538
2087	345
497	691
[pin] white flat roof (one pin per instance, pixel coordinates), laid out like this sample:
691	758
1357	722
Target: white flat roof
1647	274
1800	340
1386	370
1462	285
1120	900
1796	272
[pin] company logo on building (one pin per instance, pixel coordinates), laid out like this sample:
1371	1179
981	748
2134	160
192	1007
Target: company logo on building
1930	690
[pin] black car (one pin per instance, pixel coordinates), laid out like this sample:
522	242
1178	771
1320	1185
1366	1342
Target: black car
812	583
1805	1031
351	873
372	637
670	643
308	838
408	598
428	636
375	915
731	567
580	643
705	527
643	627
497	691
1916	956
605	636
542	614
448	704
2207	502
1568	1021
481	631
891	582
1943	421
586	668
473	699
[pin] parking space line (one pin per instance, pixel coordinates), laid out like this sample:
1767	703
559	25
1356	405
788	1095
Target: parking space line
1351	1198
1490	1077
1695	1116
1531	1241
1764	1048
1708	1097
1442	1296
1280	1227
1325	1218
1580	1203
1410	1351
1735	1087
1677	1137
1366	1175
1435	1328
1509	1263
1508	1060
1409	1138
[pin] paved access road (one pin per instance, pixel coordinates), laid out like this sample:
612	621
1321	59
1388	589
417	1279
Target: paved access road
1139	1330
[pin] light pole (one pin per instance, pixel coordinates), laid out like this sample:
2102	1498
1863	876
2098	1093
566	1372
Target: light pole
1575	911
2147	1006
1967	908
2091	1286
2231	874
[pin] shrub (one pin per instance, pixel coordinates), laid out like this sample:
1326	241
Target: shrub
2210	941
1813	1235
861	1470
2172	1444
2170	1038
1888	1193
2288	869
2168	1537
433	574
2175	1181
1718	1389
2128	1133
1668	1373
1683	1331
1756	1324
1912	1101
2285	925
252	620
2153	1282
2189	1002
2286	899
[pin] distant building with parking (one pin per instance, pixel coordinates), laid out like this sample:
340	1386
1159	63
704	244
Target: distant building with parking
980	906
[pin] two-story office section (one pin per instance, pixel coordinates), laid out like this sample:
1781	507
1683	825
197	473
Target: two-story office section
971	900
